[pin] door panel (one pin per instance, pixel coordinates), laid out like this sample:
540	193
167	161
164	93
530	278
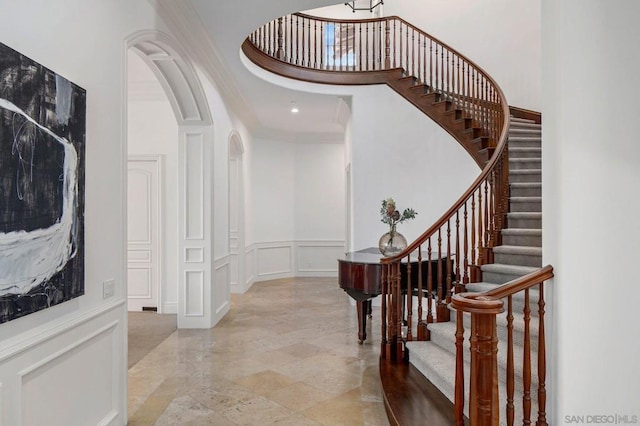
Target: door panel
143	213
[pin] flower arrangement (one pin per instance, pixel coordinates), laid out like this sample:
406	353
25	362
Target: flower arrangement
392	217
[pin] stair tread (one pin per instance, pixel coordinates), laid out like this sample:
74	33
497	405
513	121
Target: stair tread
525	199
529	250
525	215
508	269
522	231
525	171
527	184
524	159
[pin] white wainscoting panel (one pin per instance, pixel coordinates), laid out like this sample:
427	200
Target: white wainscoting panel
194	255
51	390
194	229
274	261
221	290
318	258
194	300
170	308
139	282
249	269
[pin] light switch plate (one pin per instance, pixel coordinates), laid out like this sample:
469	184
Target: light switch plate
108	289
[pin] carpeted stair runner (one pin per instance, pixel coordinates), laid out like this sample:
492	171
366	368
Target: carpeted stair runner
520	254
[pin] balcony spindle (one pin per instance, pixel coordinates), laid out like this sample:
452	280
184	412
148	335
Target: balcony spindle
421	322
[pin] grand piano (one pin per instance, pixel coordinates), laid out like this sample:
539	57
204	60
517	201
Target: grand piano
360	276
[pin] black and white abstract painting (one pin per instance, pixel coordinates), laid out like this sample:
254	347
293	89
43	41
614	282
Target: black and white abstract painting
42	148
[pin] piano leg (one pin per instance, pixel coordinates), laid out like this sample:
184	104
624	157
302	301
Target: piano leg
364	307
369	310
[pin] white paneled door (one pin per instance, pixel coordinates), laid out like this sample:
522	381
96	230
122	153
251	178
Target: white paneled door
143	213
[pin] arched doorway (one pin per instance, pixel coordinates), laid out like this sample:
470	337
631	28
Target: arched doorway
194	259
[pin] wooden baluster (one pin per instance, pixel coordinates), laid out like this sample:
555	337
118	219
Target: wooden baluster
458	82
487	215
465	277
315	44
400	47
398	308
421	322
431	83
297	40
308	55
457	269
384	353
448	264
366	49
459	379
442	88
480	228
510	364
407	64
442	312
424	59
394	43
542	362
322	61
413	53
291	42
280	41
473	371
360	53
429	284
438	82
409	300
526	368
448	73
474	262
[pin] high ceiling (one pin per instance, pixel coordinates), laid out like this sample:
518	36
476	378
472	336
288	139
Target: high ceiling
265	107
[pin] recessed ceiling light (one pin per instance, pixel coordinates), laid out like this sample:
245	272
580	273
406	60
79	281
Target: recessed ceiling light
294	108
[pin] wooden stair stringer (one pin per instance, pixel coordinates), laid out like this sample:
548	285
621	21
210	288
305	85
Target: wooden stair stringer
468	134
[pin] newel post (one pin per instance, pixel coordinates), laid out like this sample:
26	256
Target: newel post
483	384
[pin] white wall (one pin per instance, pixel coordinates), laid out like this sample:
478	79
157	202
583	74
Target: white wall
78	346
590	177
399	152
295	209
152	129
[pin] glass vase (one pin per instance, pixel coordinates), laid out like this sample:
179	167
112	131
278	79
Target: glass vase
392	243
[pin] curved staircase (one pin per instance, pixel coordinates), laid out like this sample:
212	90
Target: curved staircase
486	248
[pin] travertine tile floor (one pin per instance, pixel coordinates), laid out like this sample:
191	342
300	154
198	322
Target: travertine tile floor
285	354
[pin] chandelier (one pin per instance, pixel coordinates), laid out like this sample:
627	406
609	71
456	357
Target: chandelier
352	5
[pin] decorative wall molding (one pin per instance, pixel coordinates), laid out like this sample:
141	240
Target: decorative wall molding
46	332
221	288
81	354
286	259
170	307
